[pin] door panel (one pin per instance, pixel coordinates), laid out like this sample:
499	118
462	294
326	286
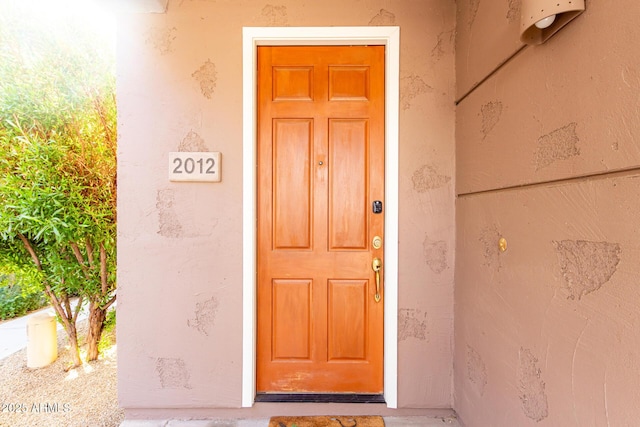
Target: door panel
348	83
292	83
348	147
291	308
320	167
292	145
347	320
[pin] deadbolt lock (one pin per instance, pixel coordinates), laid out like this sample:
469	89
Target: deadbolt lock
376	242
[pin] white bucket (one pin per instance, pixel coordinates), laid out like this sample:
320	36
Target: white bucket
42	344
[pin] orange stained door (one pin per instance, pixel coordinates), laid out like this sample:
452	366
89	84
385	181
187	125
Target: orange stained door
320	169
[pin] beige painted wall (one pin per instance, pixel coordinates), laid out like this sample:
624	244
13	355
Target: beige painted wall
180	244
547	333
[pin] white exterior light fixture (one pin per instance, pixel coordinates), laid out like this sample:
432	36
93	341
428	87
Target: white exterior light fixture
543	18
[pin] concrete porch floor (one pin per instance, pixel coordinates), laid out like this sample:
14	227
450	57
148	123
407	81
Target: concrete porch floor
407	421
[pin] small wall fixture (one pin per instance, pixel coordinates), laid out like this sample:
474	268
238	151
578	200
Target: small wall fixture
502	244
541	19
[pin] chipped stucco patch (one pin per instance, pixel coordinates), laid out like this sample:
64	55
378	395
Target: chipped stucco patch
476	370
444	44
474	5
631	76
585	265
162	38
435	254
173	373
170	226
205	316
384	17
561	144
206	76
192	142
531	386
411	87
174	220
491	113
427	178
513	13
489	238
412	323
275	15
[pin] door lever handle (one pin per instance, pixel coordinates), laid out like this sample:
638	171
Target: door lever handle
376	265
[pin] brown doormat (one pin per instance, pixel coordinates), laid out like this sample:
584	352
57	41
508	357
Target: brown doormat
325	421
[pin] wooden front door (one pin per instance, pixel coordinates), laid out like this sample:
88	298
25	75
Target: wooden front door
320	170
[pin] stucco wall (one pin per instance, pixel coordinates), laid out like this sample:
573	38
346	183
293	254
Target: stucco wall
180	244
547	332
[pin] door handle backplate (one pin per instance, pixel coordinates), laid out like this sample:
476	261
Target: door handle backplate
376	265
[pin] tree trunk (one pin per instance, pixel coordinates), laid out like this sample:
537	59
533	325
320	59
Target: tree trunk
97	317
73	344
62	308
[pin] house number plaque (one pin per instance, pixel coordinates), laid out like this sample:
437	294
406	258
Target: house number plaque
194	166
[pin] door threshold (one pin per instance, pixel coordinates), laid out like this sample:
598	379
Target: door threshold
319	398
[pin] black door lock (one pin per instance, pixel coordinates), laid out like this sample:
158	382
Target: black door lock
377	206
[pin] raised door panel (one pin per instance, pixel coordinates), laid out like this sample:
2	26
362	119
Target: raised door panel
291	319
348	148
347	320
292	142
292	83
348	83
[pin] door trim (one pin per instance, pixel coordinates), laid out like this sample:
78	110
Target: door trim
275	36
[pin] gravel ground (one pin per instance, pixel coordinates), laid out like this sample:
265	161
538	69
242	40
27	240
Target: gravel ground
55	396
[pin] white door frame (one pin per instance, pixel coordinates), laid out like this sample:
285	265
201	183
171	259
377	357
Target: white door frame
274	36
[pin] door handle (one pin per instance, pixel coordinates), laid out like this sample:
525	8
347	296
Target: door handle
376	265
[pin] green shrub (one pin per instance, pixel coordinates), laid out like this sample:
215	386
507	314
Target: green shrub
17	300
108	337
58	143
